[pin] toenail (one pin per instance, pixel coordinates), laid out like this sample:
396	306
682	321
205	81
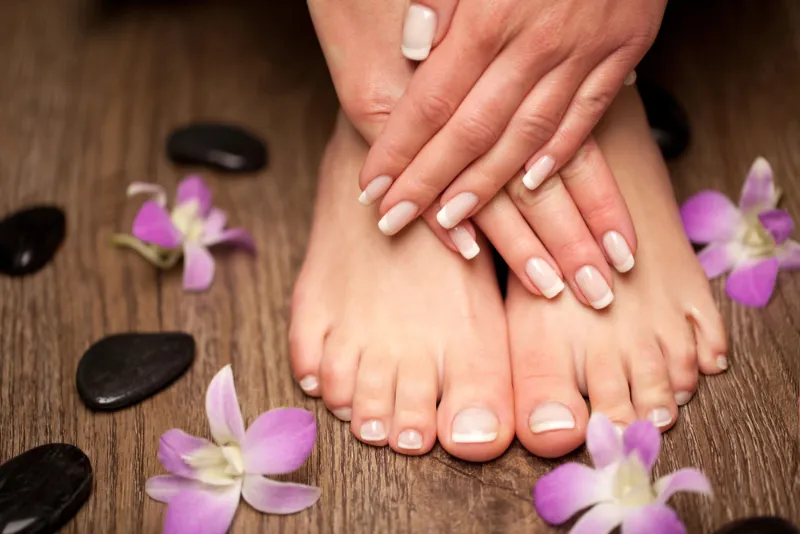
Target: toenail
618	251
620	429
722	362
397	217
475	425
551	416
373	431
410	440
682	397
594	287
544	277
375	189
308	383
660	417
343	413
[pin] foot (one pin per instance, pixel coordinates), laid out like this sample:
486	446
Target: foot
638	359
383	328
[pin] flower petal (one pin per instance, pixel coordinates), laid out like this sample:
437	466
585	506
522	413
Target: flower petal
164	487
215	223
644	439
153	225
601	519
602	441
569	488
174	446
272	497
235	236
718	258
789	256
222	408
653	519
710	216
752	282
202	510
138	188
779	224
759	192
688	479
198	267
279	441
193	188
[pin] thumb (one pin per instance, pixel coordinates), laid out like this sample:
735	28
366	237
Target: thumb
425	26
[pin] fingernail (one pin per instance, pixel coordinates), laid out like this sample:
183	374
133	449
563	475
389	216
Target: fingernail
630	79
418	32
594	287
397	217
372	431
308	383
660	417
456	209
464	242
619	251
551	416
343	413
683	397
544	277
375	190
538	172
722	362
475	425
410	440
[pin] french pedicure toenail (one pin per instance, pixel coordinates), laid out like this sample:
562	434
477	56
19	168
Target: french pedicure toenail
475	425
620	429
722	362
551	416
308	383
458	207
683	397
345	414
544	277
410	440
594	287
539	172
372	431
660	417
419	30
464	242
618	251
375	190
397	217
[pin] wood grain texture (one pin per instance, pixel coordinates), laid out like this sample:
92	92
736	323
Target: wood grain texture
86	102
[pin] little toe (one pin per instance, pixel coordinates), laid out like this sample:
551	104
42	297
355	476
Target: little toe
337	373
710	336
373	401
413	428
680	352
651	390
306	342
607	385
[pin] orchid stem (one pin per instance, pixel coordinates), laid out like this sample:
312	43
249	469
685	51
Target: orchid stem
149	253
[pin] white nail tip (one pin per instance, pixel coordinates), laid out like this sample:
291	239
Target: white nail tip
683	397
464	242
551	416
308	383
345	414
375	189
660	417
538	172
474	437
419	30
474	425
416	54
630	79
372	431
410	440
626	266
607	299
722	362
363	199
553	290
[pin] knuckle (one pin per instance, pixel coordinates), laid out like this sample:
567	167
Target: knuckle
594	103
421	188
368	102
575	249
535	128
434	109
476	134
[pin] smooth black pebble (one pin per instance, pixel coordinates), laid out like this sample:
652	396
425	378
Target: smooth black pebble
42	489
759	525
220	146
669	123
30	238
124	369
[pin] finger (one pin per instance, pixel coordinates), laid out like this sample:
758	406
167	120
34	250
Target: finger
461	239
594	190
426	24
509	232
554	217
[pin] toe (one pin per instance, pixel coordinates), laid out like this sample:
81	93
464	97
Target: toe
337	372
710	336
651	390
680	351
306	341
373	401
607	384
413	428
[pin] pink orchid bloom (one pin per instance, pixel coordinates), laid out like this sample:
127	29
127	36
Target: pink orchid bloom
618	489
751	241
207	479
193	224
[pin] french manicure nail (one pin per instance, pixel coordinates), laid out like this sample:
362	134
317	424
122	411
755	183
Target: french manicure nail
397	217
375	190
630	79
308	383
464	242
345	414
456	209
410	440
372	431
475	425
551	416
619	251
419	30
722	362
594	287
660	417
683	397
538	172
544	277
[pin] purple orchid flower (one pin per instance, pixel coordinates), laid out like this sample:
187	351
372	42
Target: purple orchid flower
189	230
618	488
207	479
751	241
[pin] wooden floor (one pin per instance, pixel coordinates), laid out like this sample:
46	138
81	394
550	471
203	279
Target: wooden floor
86	102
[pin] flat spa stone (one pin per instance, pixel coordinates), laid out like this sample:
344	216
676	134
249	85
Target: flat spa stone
669	123
30	238
759	525
43	488
220	146
124	369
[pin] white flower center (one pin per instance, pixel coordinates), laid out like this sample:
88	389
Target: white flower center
631	484
218	466
186	218
756	238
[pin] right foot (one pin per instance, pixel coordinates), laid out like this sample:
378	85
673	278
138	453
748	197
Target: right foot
382	328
